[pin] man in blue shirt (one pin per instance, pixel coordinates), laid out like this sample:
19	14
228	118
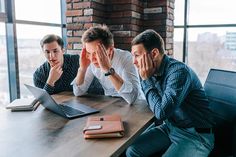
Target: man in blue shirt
176	97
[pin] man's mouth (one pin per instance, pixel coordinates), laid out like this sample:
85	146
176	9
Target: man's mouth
52	62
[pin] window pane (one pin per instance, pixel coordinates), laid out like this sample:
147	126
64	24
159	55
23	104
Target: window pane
29	51
38	10
179	12
4	86
212	12
212	48
2	6
178	43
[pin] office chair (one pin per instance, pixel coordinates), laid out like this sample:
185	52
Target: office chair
220	87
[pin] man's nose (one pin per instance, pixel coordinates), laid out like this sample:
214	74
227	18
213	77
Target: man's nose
51	55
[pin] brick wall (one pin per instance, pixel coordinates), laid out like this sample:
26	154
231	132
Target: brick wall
125	18
159	15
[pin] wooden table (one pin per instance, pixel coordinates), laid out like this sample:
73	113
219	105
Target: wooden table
42	133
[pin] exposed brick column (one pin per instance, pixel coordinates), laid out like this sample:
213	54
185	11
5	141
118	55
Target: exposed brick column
159	15
81	15
125	18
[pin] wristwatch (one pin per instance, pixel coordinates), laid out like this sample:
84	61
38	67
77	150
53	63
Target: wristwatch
111	71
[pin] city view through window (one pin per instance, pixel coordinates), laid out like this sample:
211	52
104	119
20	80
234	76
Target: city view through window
209	48
29	58
30	55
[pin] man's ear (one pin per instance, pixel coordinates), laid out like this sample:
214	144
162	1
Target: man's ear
63	50
110	48
110	52
155	54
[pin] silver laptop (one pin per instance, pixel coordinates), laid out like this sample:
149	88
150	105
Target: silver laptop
64	109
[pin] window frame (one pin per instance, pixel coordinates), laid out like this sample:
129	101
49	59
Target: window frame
186	26
8	17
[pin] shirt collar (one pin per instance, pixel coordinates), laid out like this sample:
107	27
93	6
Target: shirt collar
113	58
159	72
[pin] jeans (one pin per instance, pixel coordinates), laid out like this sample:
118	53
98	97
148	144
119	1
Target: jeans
173	141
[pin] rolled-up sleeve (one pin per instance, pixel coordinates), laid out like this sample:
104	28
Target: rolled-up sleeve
40	79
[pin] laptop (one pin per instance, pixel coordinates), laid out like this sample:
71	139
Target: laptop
64	109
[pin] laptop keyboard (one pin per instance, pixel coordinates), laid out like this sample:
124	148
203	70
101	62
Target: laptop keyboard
71	111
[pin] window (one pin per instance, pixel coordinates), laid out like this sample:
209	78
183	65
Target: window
211	35
212	12
2	6
4	88
211	48
34	19
179	12
178	44
29	51
38	10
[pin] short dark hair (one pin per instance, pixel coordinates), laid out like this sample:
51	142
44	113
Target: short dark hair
150	40
51	38
100	32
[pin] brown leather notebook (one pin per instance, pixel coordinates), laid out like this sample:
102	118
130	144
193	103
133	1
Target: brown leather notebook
104	127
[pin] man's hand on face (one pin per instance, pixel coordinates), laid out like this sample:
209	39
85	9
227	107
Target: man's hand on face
84	61
147	66
102	58
55	73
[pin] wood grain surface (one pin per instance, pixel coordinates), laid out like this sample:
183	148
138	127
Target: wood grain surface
42	133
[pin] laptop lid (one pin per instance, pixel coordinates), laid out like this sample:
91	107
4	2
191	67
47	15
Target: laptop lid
48	102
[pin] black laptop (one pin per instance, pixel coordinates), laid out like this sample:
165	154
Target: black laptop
64	109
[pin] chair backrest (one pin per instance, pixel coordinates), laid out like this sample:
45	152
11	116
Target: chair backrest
220	87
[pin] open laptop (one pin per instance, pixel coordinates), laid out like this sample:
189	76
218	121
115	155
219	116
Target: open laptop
64	109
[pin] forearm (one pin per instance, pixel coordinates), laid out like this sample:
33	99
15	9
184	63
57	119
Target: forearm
50	82
127	86
79	80
50	89
117	81
80	85
154	99
129	91
43	85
